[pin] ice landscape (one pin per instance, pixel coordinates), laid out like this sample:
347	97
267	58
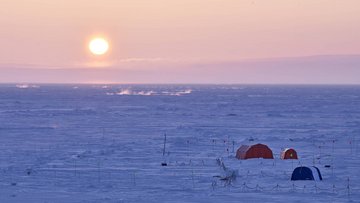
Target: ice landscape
96	143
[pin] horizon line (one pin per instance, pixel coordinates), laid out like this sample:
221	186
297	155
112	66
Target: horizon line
215	84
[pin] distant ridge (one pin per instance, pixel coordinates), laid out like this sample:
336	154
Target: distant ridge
317	69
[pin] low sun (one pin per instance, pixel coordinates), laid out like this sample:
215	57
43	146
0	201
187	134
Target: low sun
98	46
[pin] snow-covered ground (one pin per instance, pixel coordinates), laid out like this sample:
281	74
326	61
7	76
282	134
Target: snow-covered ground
84	143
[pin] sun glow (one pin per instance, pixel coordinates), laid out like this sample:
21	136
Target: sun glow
98	46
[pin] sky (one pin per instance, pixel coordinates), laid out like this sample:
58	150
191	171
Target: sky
181	41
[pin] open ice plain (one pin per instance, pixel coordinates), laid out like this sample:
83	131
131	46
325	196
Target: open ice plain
98	143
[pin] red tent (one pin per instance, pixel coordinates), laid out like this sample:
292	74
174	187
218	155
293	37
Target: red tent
289	153
254	151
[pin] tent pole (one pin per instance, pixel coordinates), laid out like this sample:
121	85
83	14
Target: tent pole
164	144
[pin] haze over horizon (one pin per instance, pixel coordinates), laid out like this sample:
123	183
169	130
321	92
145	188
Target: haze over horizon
188	41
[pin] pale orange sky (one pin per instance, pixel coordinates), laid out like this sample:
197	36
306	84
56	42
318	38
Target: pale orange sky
54	33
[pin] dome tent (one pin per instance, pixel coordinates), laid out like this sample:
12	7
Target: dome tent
254	151
306	173
289	153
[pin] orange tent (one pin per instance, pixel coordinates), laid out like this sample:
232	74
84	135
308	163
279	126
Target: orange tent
254	151
289	153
